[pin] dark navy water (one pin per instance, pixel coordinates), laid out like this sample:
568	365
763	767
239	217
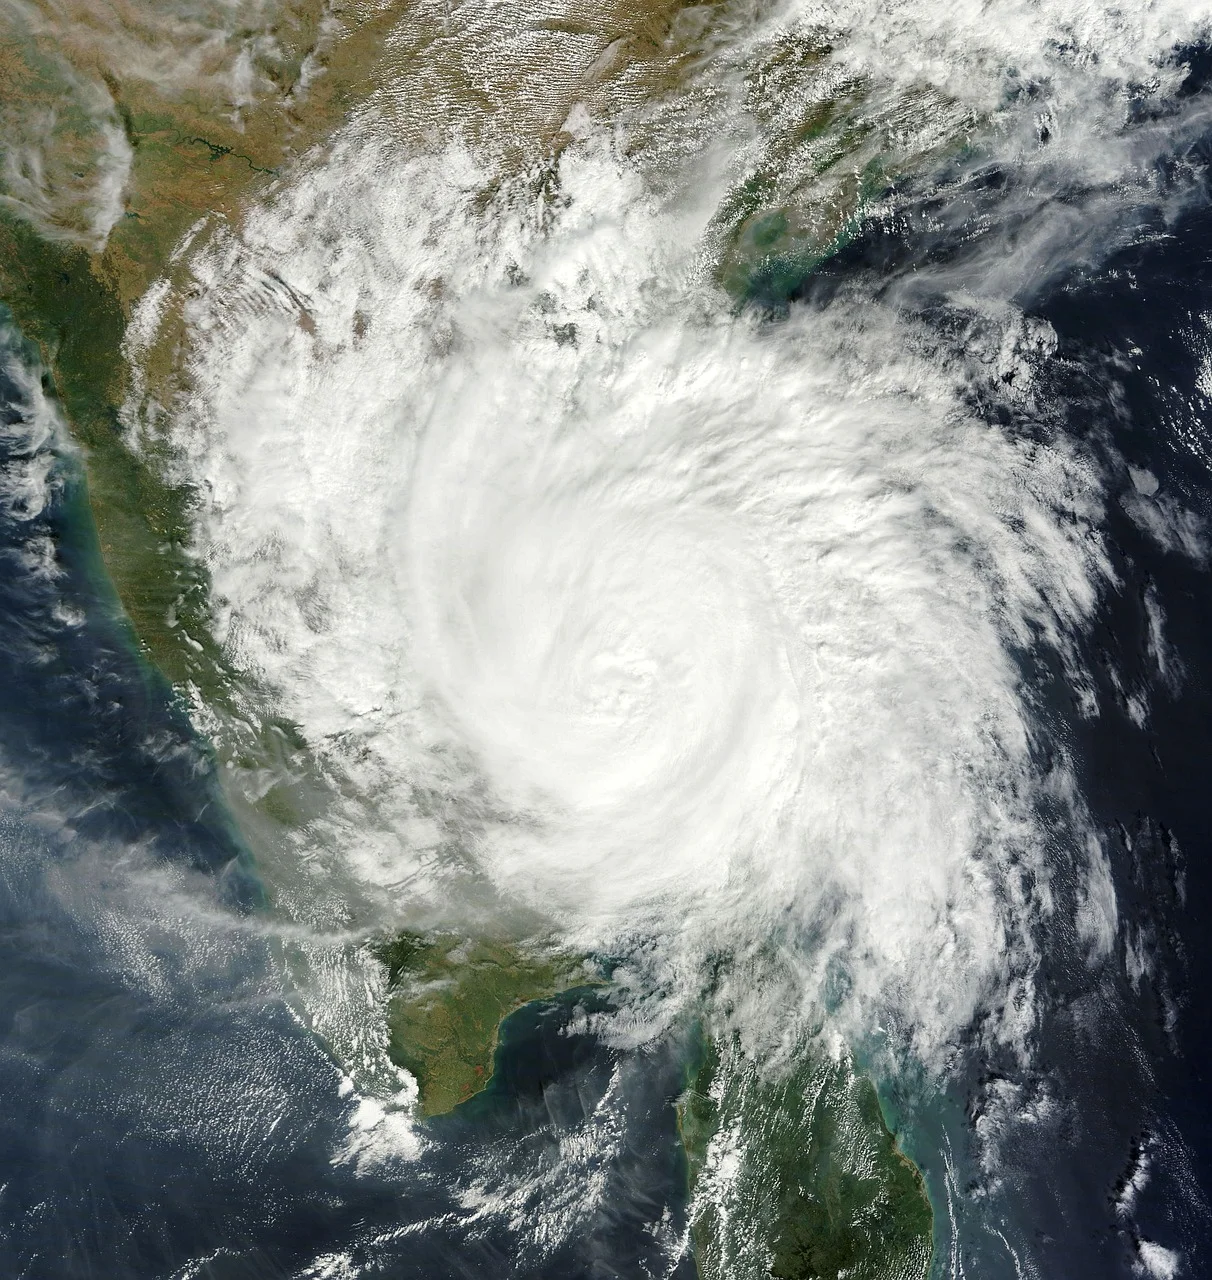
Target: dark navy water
1135	340
163	1113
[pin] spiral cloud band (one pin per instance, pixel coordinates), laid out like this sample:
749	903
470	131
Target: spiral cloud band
705	629
659	620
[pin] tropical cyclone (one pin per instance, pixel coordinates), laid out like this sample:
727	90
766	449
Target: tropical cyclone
537	572
674	728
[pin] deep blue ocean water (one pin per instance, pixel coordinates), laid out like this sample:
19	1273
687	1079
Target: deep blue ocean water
162	1113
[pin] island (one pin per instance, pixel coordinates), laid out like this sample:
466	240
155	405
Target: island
794	1173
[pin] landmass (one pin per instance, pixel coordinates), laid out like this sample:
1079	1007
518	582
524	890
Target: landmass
795	1175
448	996
125	128
793	1171
829	150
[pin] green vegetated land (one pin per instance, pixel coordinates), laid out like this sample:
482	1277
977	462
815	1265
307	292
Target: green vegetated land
795	1175
448	998
63	300
823	162
73	75
75	317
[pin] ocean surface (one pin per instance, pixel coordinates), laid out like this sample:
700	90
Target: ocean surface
167	1113
164	1111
